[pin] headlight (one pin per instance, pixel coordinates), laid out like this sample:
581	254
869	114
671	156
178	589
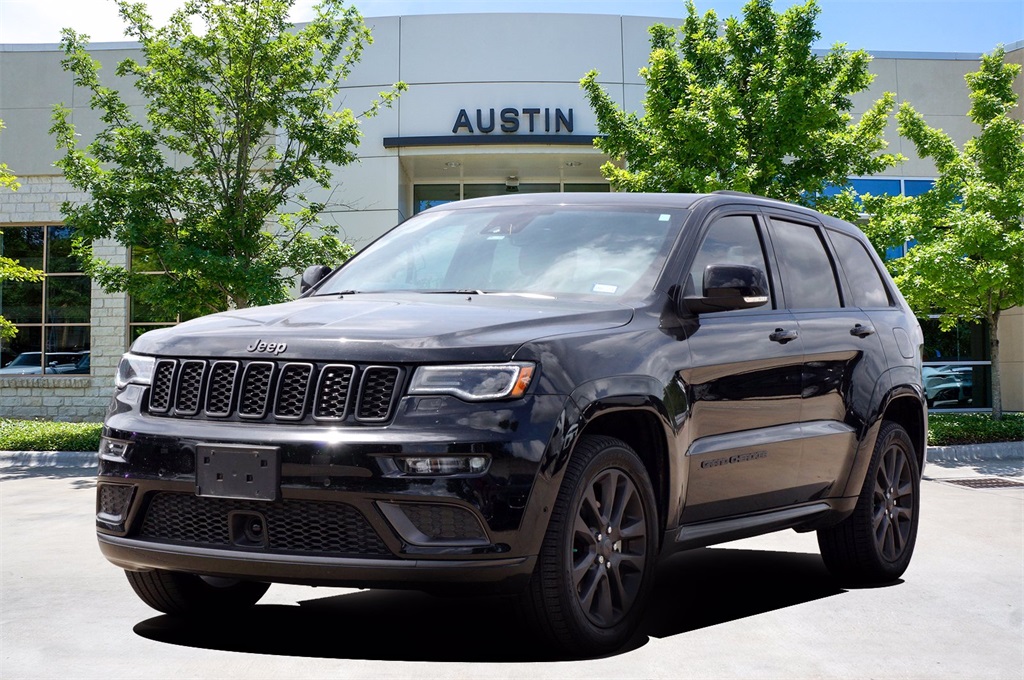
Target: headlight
134	369
474	382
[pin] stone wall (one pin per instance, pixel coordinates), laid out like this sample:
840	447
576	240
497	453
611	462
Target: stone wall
71	398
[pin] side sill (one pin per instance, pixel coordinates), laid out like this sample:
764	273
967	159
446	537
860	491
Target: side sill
720	531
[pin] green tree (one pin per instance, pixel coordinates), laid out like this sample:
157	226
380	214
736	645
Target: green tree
968	260
7	178
749	108
240	122
10	270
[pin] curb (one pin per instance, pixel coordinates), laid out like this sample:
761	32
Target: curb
51	459
966	453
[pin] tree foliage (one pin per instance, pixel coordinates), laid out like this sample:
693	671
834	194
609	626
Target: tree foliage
968	260
750	108
7	178
11	270
240	122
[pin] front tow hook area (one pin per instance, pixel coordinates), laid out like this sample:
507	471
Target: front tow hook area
248	529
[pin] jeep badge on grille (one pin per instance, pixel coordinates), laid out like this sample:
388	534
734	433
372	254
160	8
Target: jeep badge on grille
268	347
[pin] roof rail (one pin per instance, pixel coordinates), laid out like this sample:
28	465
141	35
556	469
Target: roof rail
730	192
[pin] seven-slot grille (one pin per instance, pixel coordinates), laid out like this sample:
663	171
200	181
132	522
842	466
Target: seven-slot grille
282	391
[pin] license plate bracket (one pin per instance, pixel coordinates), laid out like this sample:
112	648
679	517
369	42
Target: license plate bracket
238	471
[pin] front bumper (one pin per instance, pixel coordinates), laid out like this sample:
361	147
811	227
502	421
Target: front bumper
343	514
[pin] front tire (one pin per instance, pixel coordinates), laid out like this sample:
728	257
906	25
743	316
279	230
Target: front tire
875	543
183	594
595	568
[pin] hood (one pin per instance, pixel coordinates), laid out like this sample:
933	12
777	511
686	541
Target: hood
384	328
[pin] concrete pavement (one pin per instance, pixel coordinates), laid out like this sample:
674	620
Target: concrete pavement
759	608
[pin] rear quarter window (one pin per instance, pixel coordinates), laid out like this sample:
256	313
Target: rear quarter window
867	289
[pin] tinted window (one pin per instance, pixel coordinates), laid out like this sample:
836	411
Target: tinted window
866	286
730	240
806	270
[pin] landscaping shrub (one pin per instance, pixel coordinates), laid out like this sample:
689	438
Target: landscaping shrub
38	435
948	429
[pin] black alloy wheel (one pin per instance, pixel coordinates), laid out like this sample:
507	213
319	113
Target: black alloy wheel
895	500
875	543
609	547
595	568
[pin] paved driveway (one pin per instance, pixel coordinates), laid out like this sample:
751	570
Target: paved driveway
761	607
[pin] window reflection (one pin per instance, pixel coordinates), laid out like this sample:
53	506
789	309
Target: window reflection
52	316
58	251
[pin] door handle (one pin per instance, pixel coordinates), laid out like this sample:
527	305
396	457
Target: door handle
783	336
862	331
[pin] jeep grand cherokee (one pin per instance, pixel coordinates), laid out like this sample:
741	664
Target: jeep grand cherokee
534	394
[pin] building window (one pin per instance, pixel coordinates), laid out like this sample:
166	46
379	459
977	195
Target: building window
426	196
957	366
430	195
143	317
53	315
882	186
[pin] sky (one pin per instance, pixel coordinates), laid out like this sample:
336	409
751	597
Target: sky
964	26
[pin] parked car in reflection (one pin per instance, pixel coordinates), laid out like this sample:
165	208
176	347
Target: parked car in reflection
948	385
31	363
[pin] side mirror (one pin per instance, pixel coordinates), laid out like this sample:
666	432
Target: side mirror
313	275
729	287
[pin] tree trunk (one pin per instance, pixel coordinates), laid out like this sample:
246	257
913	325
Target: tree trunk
993	348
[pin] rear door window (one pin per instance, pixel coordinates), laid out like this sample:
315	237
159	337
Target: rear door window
808	279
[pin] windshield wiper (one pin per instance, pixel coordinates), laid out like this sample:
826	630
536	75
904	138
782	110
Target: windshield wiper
454	291
337	292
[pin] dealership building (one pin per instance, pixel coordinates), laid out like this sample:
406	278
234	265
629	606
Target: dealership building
493	105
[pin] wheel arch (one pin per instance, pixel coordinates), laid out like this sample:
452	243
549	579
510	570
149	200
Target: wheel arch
644	430
906	407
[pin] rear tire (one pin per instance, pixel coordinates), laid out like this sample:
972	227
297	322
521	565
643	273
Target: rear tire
595	568
182	594
875	543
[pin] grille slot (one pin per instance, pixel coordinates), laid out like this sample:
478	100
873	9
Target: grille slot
292	390
292	525
221	390
256	380
332	392
268	390
190	386
377	392
163	382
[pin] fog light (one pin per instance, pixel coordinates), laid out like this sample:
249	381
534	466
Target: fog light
114	449
443	465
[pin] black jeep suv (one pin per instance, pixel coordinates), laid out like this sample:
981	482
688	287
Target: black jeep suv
532	394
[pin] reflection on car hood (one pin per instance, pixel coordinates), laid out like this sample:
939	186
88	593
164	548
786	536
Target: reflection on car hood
384	327
21	370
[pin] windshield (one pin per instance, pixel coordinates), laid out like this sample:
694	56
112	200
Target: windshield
27	359
552	251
